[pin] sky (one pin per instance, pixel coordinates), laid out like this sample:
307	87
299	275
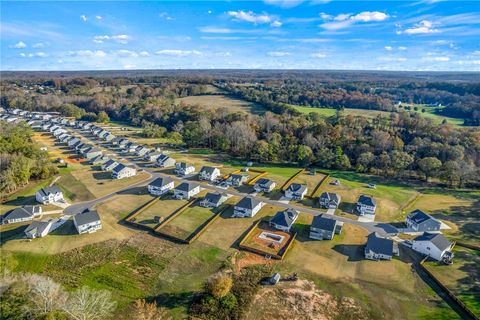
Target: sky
420	35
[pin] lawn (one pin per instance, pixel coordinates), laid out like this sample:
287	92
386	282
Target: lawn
310	180
24	196
187	222
164	208
214	102
462	277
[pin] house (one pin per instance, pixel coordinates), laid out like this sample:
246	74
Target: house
109	165
58	132
208	173
108	137
87	222
72	143
434	245
324	227
24	213
116	140
123	142
152	156
378	248
165	161
141	151
236	179
39	229
296	191
92	153
122	171
186	190
284	220
49	195
213	200
247	207
264	185
329	200
420	221
84	148
100	159
183	168
160	186
63	135
366	205
130	147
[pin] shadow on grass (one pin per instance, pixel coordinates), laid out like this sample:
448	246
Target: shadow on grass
22	201
173	300
348	207
12	234
134	191
102	175
354	252
388	228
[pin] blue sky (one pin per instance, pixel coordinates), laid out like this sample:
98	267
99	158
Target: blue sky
315	34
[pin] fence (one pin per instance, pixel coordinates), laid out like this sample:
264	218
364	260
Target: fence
290	180
319	184
261	174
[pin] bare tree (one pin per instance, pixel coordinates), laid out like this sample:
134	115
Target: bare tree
45	295
142	310
87	304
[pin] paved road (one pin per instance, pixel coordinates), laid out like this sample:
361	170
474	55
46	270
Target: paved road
371	226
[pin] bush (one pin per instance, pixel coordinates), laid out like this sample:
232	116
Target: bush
229	301
219	285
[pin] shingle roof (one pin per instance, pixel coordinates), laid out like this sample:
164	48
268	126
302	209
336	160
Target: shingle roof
264	182
329	196
45	192
418	216
248	203
160	182
186	186
207	169
86	217
323	222
367	200
285	218
297	187
437	239
18	213
214	197
38	226
379	245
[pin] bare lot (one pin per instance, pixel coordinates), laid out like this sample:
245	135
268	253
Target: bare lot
163	208
188	221
221	101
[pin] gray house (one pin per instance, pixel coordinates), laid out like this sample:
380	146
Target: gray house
186	190
22	214
328	200
366	205
323	227
378	248
39	229
100	159
420	221
264	185
92	153
284	220
213	200
296	191
87	222
236	179
165	161
160	186
247	207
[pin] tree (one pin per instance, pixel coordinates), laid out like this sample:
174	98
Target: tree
429	166
304	155
87	304
103	117
45	295
142	310
400	160
219	285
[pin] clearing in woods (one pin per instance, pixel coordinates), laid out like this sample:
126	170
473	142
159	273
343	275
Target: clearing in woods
216	101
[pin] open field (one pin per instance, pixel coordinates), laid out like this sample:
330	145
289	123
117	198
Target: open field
462	277
221	101
188	221
164	208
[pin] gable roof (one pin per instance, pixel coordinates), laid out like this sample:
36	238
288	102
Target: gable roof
186	186
380	245
160	182
19	213
214	197
110	162
184	165
437	239
264	182
119	167
45	192
297	187
323	222
367	201
329	196
285	218
208	169
86	217
38	226
418	216
248	203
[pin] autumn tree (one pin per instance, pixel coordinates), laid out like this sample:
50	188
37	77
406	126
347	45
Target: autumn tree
429	166
219	285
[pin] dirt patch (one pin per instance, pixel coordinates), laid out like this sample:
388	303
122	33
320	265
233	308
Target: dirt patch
301	299
245	259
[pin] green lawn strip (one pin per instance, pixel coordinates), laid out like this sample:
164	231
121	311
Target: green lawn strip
186	223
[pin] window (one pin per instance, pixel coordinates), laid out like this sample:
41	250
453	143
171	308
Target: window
428	248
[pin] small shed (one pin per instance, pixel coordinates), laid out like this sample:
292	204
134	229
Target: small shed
274	279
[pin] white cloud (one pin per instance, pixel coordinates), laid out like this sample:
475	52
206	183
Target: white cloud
388	48
100	39
126	53
209	29
120	38
476	53
250	16
23	55
39	54
278	53
401	48
318	55
276	23
284	3
164	15
19	45
84	18
98	17
178	53
436	59
39	45
423	27
87	53
209	11
144	54
129	66
345	20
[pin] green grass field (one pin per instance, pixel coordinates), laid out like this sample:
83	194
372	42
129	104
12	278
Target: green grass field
163	208
188	221
214	102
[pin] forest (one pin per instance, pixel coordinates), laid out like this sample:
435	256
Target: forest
402	146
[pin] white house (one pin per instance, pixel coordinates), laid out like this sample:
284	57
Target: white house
247	207
87	222
183	168
213	200
366	205
160	186
419	221
164	161
236	179
49	195
152	156
109	165
378	248
39	229
208	173
22	214
121	171
296	191
186	190
434	245
264	185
